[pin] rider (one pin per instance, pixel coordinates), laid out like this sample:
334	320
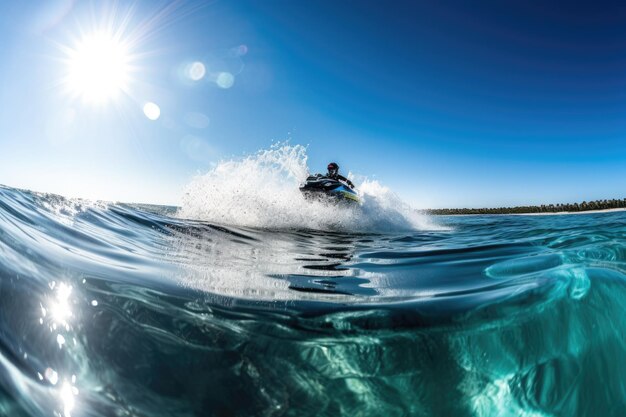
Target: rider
333	172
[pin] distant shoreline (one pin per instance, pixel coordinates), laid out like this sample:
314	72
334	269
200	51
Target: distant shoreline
597	206
611	210
557	213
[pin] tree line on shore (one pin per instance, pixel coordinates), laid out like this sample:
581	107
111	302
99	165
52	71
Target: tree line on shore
544	208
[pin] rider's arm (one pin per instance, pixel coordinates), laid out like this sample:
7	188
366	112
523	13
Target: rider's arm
347	181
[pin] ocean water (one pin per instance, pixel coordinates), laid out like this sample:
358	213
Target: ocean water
247	303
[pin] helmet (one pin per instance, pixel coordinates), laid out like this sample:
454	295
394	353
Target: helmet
333	168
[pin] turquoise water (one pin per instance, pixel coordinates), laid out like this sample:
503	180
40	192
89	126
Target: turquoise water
127	310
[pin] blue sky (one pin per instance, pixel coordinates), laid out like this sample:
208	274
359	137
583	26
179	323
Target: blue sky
450	104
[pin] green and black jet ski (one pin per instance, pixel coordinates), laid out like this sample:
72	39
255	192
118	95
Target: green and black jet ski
321	188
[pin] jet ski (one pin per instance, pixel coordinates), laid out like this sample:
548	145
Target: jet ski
322	188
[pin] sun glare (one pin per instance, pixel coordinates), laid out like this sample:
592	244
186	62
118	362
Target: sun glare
98	68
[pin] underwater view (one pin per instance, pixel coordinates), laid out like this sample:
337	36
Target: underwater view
135	310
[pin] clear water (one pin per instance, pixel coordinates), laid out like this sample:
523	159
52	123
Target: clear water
109	309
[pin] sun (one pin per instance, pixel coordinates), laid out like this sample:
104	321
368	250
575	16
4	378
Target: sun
98	68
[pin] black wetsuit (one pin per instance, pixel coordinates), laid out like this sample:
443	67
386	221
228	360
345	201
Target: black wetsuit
341	178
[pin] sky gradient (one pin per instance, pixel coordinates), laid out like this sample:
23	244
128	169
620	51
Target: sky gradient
450	104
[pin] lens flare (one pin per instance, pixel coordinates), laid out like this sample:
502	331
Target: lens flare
225	80
152	111
197	70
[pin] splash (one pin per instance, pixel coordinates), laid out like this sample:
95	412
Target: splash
261	190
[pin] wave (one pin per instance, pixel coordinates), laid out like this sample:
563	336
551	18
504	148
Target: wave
261	190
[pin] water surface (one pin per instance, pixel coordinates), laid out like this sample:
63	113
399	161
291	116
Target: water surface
110	309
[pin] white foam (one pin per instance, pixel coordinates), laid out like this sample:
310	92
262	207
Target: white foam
261	190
